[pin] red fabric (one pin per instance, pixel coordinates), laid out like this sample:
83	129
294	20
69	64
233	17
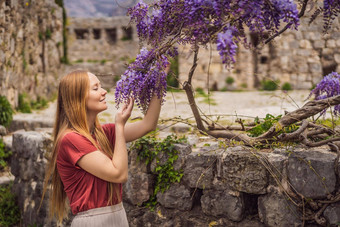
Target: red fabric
84	190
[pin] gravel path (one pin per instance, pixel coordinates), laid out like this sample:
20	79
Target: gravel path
229	104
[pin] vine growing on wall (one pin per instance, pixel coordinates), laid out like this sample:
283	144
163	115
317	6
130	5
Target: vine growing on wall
151	150
64	59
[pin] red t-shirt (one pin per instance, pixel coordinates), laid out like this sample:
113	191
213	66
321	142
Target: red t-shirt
84	190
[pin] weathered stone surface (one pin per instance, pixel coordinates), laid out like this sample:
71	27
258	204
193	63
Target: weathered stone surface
137	165
29	144
29	124
277	168
332	214
223	203
180	128
26	28
276	210
243	171
311	172
183	151
28	165
199	170
138	188
178	196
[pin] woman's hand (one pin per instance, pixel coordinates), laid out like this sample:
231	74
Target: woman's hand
124	113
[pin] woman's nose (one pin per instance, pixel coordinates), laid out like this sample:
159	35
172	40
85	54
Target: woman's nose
104	92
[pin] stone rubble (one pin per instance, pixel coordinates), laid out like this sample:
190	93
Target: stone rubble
226	187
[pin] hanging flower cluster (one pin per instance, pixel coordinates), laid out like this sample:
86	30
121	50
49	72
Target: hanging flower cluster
328	87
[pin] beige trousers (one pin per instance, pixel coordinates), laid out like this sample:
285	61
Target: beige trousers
110	216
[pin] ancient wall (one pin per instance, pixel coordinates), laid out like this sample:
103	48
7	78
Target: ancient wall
30	47
233	186
102	45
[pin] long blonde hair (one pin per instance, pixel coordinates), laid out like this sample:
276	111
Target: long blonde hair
71	114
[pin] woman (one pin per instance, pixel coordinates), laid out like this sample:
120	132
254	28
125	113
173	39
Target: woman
89	161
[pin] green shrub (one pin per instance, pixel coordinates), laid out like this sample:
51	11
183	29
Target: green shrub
79	61
23	105
4	155
48	34
286	86
244	85
269	85
6	112
39	104
9	210
229	80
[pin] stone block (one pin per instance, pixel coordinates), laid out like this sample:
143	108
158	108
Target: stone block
277	164
137	165
330	43
332	214
337	58
311	173
243	171
183	151
29	144
199	168
177	196
223	204
138	188
275	210
315	67
305	44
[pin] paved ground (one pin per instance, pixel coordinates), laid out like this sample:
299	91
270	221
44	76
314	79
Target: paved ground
228	104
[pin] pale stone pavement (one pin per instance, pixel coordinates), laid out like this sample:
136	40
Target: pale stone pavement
231	105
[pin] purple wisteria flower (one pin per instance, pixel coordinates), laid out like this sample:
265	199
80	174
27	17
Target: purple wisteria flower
144	78
227	44
328	87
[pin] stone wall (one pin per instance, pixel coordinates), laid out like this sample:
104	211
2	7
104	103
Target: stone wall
233	186
30	48
102	45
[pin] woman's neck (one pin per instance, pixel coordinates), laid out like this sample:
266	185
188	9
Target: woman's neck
91	123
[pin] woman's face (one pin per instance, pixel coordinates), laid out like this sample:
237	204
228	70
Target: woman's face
96	96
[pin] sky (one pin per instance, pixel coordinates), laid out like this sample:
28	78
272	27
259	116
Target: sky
97	8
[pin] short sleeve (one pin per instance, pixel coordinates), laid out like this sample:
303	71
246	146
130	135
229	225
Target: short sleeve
110	132
74	146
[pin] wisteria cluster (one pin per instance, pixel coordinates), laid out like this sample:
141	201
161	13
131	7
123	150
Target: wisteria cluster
167	23
144	78
331	9
328	87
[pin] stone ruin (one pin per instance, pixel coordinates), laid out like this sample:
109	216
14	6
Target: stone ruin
232	186
30	48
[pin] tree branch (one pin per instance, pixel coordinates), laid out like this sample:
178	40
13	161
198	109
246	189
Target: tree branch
188	90
301	13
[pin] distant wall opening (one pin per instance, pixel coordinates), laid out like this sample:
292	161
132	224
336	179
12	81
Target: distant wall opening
328	69
111	35
96	33
127	33
81	33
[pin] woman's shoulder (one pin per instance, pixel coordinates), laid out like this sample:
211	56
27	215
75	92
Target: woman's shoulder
70	135
108	126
